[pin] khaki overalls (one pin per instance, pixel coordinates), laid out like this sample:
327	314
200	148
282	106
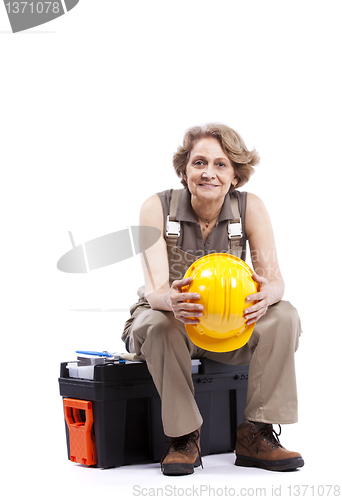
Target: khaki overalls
158	338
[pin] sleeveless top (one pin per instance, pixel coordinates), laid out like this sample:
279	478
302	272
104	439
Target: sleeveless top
190	240
190	245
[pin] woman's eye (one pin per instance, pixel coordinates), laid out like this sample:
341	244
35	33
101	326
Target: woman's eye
199	163
221	164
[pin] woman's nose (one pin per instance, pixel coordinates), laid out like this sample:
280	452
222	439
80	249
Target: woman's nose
209	172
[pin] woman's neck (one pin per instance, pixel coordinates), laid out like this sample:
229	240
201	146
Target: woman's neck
207	210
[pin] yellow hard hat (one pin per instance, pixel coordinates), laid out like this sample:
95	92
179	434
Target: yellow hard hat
223	282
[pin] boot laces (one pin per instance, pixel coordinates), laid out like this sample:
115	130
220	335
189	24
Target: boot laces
269	434
182	443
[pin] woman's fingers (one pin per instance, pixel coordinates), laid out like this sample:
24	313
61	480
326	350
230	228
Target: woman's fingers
255	312
188	310
180	283
185	311
190	313
182	297
259	279
188	321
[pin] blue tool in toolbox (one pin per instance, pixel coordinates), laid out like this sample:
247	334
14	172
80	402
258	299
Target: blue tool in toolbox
122	421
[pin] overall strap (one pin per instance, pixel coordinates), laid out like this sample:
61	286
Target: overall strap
172	224
235	227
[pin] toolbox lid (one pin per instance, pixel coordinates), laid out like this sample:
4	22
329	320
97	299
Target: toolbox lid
76	369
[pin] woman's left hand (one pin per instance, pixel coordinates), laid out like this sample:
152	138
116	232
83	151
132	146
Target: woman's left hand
263	298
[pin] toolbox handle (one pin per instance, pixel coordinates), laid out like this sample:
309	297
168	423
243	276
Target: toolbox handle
74	419
81	435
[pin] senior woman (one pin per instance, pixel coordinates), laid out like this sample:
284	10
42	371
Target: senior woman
212	162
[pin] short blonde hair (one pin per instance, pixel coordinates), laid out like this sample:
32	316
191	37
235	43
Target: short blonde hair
231	143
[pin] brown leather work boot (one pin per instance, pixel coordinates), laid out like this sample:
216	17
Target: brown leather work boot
262	449
182	455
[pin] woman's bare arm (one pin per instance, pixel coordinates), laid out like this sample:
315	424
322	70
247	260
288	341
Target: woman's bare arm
156	271
264	259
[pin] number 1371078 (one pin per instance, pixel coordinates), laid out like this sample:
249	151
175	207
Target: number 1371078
33	7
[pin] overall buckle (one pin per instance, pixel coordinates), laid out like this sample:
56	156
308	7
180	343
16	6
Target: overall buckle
235	230
172	227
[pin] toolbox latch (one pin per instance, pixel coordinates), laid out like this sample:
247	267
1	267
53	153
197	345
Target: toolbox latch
205	380
241	376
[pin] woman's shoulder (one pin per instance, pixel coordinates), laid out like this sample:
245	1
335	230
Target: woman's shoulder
246	195
157	199
257	217
154	208
151	203
254	202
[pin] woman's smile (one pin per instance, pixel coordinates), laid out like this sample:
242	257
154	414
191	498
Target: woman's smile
208	186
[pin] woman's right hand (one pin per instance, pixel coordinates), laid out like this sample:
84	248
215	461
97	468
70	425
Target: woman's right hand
186	312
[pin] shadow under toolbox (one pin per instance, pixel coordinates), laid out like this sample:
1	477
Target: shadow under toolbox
114	418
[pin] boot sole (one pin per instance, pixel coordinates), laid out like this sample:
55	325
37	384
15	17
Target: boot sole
275	465
179	469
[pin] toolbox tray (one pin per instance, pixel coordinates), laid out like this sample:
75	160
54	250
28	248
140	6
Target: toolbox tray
127	409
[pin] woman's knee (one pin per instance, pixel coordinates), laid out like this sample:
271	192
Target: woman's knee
151	321
155	328
281	323
291	317
288	315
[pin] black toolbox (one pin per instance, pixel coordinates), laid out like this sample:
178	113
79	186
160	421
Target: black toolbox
127	427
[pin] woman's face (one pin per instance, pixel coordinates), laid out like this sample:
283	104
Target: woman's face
209	172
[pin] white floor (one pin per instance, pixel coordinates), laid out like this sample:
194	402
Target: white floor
219	478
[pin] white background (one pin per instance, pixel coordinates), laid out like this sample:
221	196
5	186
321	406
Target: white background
93	105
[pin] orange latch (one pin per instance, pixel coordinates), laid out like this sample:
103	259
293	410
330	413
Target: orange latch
81	433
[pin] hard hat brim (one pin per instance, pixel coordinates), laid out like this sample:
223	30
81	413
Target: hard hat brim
219	345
